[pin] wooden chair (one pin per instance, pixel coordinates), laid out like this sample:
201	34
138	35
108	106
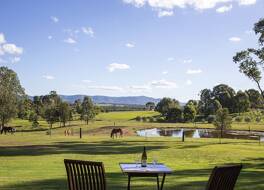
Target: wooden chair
224	178
85	175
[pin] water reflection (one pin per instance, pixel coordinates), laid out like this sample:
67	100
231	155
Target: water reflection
201	133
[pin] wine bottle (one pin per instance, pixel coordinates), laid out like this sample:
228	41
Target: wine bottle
144	158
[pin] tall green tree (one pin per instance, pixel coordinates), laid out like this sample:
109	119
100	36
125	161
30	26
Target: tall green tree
222	120
166	104
242	103
225	95
64	112
189	112
88	109
11	92
150	105
255	98
251	61
51	103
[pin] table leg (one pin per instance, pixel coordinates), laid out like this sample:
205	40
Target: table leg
158	182
128	184
162	182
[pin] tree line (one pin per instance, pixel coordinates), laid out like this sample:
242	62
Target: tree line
15	103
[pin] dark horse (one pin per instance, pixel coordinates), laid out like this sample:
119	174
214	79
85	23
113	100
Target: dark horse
115	132
11	130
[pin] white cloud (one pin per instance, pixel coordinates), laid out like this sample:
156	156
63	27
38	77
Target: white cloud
224	9
164	13
130	45
108	88
12	49
194	71
116	66
169	5
70	41
235	39
2	38
139	88
165	72
163	84
187	61
171	59
48	77
88	30
188	82
86	81
54	19
50	37
247	2
15	59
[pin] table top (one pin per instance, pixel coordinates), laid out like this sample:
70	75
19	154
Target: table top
150	169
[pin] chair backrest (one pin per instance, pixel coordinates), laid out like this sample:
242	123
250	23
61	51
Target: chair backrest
224	178
85	175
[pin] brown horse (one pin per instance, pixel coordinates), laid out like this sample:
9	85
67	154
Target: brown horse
115	132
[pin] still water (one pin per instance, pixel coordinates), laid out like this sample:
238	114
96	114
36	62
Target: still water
201	133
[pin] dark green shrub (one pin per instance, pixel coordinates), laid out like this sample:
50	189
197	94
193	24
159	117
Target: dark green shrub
138	118
211	118
151	119
247	119
238	119
200	118
258	119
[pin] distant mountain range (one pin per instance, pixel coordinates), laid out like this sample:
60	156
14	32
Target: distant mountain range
123	100
127	100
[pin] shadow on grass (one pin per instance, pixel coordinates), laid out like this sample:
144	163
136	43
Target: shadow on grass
184	180
75	147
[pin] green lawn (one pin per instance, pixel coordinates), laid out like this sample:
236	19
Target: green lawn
126	119
34	161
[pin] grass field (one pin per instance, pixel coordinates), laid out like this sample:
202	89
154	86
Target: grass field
34	160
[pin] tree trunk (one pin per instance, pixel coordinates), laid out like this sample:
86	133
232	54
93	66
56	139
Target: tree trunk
259	87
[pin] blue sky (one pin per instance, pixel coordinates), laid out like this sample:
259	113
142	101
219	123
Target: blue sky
156	48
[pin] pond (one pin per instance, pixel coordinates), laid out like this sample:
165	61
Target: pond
201	133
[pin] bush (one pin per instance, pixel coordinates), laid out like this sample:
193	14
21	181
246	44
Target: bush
211	118
238	119
200	118
151	119
35	124
144	119
258	119
233	115
247	119
138	118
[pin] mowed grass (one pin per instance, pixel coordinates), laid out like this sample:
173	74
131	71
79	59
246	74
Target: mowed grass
126	115
34	161
126	119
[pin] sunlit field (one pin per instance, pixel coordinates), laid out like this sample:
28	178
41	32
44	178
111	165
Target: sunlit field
33	160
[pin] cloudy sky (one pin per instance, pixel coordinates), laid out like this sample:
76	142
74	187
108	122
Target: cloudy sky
156	48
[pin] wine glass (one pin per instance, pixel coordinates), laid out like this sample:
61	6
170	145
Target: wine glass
155	161
137	161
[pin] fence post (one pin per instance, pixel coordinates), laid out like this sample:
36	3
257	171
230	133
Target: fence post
80	133
183	135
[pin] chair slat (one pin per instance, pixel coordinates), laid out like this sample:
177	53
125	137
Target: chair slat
85	175
224	178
